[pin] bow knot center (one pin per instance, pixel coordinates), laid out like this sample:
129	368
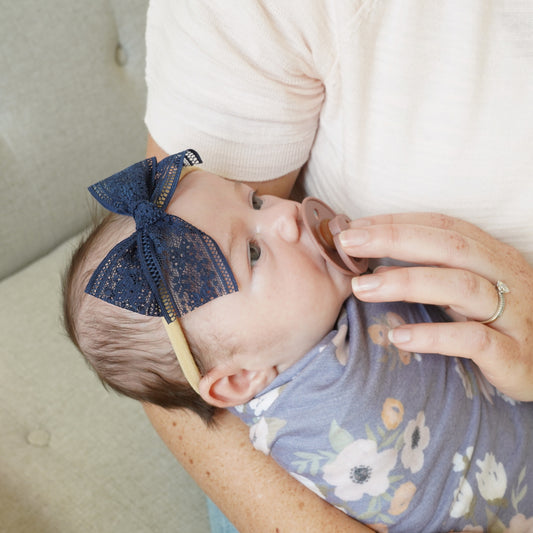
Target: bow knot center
145	214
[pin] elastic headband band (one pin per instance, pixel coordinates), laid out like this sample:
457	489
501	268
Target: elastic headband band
177	337
183	353
188	170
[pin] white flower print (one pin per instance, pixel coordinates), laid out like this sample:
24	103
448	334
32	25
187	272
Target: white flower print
263	433
341	343
462	499
462	461
360	469
492	479
259	436
416	438
465	379
262	403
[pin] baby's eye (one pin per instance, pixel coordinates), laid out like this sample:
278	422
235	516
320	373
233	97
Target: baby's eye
256	201
254	253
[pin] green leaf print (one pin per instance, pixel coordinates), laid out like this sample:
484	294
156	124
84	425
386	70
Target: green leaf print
339	438
309	462
370	434
495	525
518	493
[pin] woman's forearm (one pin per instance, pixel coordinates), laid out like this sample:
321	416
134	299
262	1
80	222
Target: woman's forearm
254	492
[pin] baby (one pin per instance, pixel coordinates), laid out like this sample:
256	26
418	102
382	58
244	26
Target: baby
263	325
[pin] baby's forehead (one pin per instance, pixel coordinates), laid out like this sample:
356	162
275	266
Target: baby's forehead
195	177
199	185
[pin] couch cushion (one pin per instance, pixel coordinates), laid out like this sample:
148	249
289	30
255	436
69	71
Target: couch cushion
71	113
75	458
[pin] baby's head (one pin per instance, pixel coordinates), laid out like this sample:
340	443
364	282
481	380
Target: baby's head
288	298
130	352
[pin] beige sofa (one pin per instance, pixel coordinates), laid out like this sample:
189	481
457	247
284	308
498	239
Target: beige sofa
73	457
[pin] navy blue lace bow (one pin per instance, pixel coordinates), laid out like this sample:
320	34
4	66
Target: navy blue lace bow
167	267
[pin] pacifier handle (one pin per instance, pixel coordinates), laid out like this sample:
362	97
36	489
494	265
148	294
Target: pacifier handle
324	226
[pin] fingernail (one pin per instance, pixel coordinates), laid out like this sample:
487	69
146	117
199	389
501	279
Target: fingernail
399	335
353	237
365	283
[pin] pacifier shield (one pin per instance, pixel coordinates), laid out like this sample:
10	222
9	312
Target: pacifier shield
324	226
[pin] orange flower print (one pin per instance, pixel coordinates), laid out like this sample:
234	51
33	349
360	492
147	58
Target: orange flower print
402	498
379	335
342	345
392	413
405	357
394	319
379	528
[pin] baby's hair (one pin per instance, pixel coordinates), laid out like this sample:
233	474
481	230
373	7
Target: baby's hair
129	352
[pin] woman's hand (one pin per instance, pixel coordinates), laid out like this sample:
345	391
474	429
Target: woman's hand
460	265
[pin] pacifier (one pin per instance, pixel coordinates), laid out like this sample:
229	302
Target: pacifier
324	226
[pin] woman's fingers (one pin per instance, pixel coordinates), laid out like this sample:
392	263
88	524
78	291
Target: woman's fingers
468	294
423	245
474	341
434	220
461	339
470	262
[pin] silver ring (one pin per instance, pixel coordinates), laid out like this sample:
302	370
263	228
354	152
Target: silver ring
502	289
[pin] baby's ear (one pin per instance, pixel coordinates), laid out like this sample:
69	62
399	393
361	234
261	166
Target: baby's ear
224	386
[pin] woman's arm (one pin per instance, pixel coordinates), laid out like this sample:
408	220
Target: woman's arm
251	489
254	492
281	187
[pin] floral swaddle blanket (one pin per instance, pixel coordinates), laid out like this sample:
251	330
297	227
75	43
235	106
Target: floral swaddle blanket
400	441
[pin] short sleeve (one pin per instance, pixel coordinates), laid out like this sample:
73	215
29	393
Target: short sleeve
238	81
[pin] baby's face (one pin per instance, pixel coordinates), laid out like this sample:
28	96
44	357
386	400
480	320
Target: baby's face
288	297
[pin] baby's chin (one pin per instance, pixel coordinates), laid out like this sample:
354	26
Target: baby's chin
342	281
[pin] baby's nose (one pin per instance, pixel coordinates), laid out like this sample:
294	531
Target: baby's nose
285	220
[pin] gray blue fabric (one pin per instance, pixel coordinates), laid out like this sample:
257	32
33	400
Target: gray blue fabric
408	441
